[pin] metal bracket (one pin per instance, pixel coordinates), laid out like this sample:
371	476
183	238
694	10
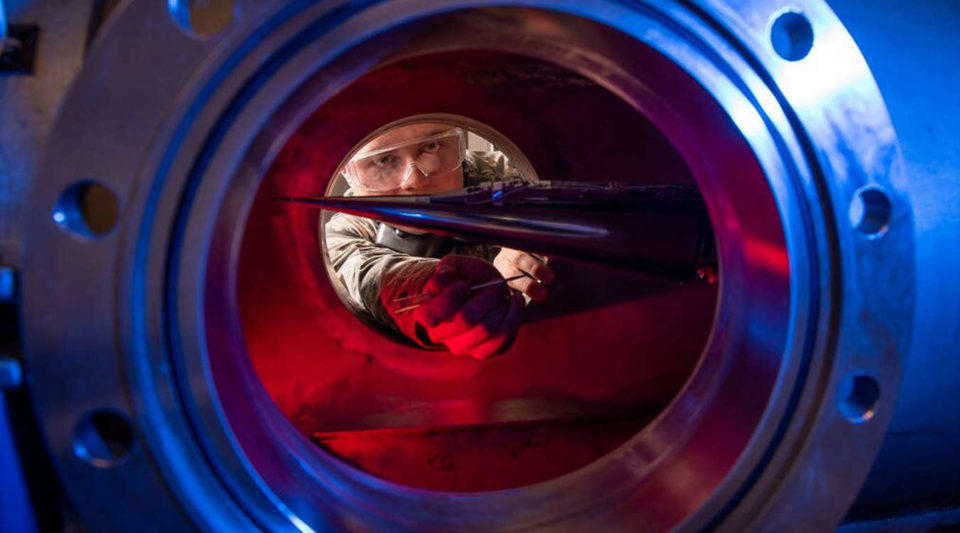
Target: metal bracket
19	49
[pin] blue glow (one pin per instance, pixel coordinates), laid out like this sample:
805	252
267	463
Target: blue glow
17	514
59	217
300	524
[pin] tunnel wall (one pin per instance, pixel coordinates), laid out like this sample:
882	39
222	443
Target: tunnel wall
330	373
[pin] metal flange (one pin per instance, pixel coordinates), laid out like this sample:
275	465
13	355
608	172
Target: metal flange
128	324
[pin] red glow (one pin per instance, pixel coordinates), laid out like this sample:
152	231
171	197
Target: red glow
591	367
770	256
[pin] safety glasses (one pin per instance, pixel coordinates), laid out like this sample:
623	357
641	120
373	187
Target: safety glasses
387	168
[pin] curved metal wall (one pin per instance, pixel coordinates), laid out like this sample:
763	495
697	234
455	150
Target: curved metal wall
912	49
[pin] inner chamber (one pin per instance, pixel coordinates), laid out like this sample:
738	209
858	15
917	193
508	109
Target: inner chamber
591	366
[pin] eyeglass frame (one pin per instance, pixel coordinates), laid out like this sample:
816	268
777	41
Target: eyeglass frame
354	181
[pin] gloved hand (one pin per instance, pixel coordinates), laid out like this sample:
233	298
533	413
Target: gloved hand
512	262
480	323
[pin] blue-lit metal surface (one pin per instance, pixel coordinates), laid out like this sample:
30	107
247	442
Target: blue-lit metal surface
16	514
909	521
142	321
3	23
912	50
29	105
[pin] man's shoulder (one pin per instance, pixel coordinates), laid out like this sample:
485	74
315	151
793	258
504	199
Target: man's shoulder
481	167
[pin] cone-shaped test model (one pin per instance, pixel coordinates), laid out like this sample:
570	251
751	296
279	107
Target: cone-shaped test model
657	230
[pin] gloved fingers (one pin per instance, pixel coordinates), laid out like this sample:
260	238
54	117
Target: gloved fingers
440	280
462	342
475	310
453	268
530	287
444	305
535	267
499	337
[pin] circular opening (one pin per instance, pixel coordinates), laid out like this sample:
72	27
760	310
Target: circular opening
478	157
583	104
870	211
87	209
859	395
792	36
103	438
398	403
204	18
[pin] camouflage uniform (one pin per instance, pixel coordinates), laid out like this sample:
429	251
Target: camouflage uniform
370	272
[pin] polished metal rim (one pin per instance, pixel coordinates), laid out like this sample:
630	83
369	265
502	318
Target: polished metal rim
762	408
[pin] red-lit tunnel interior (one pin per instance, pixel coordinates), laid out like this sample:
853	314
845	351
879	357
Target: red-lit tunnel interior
591	366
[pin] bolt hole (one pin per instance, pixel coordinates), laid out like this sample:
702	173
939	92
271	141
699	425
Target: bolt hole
87	208
204	18
870	211
792	36
103	438
859	396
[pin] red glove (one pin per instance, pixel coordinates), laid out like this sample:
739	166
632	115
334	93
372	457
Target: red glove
480	323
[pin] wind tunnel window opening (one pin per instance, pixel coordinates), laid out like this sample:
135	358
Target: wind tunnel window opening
549	405
483	154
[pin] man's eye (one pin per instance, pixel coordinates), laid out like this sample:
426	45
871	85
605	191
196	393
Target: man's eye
430	148
385	160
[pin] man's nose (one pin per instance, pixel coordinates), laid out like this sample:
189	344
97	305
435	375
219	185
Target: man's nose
415	181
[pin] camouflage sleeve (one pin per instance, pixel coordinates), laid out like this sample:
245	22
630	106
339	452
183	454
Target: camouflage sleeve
483	167
370	272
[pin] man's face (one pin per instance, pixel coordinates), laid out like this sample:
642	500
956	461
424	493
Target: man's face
408	152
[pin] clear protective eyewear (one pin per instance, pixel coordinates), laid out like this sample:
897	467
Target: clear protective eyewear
387	168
